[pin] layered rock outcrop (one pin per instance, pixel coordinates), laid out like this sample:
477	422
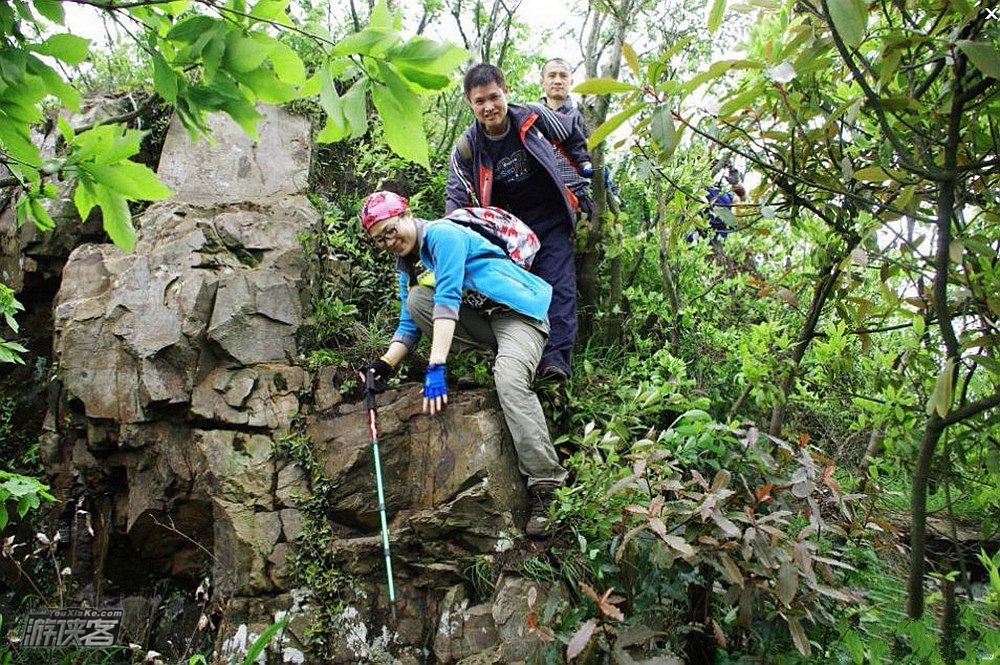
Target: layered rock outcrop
182	394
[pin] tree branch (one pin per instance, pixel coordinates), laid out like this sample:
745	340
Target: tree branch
874	101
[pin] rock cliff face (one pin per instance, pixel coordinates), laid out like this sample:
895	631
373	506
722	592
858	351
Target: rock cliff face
179	396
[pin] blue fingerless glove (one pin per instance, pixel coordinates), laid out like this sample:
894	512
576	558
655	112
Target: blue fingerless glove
586	170
434	382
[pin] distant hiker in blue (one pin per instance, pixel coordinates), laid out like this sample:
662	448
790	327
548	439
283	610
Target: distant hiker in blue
720	199
529	160
480	299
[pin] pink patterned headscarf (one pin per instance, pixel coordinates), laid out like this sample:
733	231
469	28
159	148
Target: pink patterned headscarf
381	205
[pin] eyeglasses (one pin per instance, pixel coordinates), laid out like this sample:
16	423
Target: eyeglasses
383	239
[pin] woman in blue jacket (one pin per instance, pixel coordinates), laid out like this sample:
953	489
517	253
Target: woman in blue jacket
479	299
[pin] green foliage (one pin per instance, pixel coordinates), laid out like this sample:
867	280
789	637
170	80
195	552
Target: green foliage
99	161
753	523
355	302
313	565
870	226
878	630
227	59
10	352
25	492
263	640
992	566
401	70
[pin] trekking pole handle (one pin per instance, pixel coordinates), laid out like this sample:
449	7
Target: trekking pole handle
370	389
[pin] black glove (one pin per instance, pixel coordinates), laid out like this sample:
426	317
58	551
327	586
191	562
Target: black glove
380	372
586	205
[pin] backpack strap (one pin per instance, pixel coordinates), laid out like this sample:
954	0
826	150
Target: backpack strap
463	147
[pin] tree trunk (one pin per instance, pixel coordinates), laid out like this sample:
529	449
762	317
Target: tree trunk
918	519
591	253
820	296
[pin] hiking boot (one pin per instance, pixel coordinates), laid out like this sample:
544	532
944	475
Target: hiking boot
539	525
553	374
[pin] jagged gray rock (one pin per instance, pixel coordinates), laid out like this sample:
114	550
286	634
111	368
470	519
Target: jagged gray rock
182	386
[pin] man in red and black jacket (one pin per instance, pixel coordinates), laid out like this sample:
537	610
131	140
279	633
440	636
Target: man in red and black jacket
531	161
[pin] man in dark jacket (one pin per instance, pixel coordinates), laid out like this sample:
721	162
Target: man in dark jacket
556	81
529	160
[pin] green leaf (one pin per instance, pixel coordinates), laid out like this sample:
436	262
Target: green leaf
872	174
943	393
745	99
14	140
106	144
175	8
69	48
43	220
20	111
850	19
715	15
270	10
604	86
335	127
266	86
245	54
426	63
51	9
402	119
13	63
333	130
191	29
367	42
427	55
992	365
380	16
613	123
243	114
356	108
983	55
263	640
130	179
10	352
631	59
164	78
730	570
678	544
662	130
715	70
422	81
287	65
888	65
117	218
212	55
84	199
979	246
54	83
